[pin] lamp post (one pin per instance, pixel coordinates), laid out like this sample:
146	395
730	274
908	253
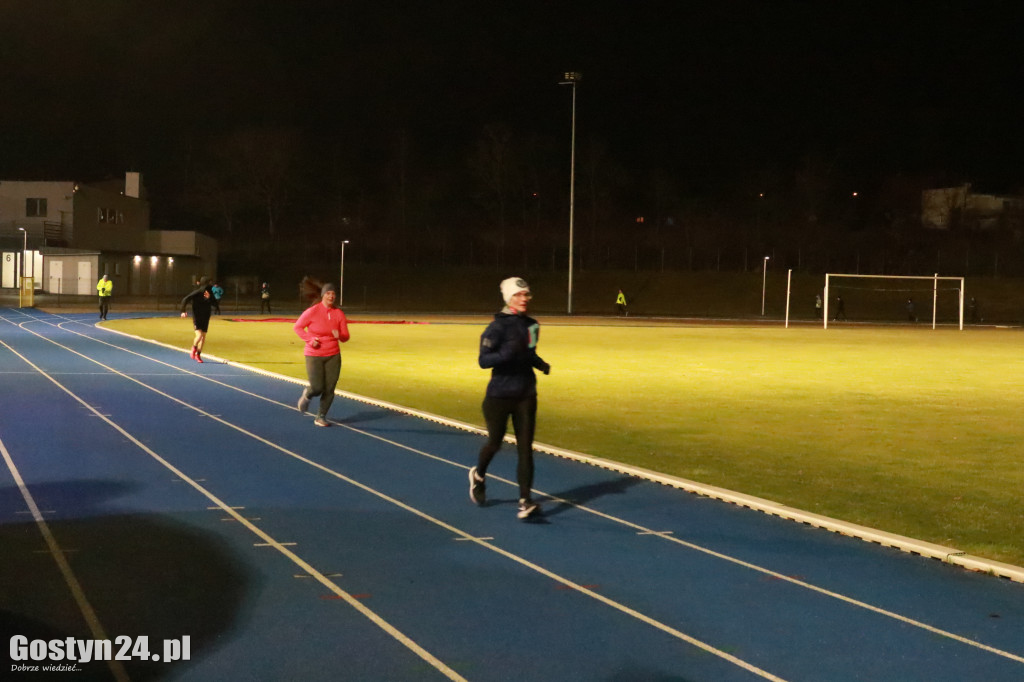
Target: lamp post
21	282
24	250
341	275
572	78
764	282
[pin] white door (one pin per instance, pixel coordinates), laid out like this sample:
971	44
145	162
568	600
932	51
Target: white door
9	270
56	283
85	283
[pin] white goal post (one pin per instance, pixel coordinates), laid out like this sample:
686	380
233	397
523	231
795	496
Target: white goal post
934	279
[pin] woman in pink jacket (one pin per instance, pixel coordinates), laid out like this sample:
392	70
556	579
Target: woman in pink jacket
323	327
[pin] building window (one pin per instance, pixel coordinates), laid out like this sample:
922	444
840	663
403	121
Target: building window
109	215
35	208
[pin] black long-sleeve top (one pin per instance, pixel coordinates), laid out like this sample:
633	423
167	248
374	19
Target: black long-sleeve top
201	305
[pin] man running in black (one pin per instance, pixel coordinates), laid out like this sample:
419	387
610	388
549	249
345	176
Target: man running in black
508	347
202	302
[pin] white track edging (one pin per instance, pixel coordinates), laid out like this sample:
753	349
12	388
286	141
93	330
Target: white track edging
947	555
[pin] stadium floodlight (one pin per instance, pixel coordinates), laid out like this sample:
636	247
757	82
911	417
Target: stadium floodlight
572	78
764	282
934	279
341	275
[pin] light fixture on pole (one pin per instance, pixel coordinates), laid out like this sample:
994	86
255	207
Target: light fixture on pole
764	282
24	250
341	275
572	78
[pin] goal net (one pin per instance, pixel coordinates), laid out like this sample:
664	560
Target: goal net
894	298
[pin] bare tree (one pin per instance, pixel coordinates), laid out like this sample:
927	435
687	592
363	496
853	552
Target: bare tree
493	164
251	170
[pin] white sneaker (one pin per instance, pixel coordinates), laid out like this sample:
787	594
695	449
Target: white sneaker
320	421
477	488
527	509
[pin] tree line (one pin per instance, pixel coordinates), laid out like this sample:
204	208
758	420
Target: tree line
502	199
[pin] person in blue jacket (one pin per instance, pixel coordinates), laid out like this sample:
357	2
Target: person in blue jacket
508	347
218	291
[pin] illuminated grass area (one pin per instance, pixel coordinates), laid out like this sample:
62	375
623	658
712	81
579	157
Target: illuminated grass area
908	430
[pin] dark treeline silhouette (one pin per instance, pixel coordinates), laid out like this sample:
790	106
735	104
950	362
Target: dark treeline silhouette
502	199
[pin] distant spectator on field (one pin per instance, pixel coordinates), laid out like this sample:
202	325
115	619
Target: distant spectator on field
817	306
840	309
620	302
911	314
105	288
217	292
972	309
265	297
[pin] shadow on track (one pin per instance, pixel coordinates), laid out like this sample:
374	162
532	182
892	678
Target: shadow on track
587	493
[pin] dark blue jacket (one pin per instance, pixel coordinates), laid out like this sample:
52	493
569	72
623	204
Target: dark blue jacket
508	347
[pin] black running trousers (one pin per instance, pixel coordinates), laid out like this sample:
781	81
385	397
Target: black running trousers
524	420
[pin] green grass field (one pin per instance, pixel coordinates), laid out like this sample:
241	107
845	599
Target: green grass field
908	430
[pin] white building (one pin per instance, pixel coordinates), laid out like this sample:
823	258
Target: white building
950	207
68	234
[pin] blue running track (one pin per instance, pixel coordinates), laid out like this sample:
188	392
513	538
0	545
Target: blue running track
145	496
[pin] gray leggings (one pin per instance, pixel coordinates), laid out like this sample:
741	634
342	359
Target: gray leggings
323	373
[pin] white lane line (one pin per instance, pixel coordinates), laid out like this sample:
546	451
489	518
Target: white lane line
267	539
273	544
423	515
55	551
329	575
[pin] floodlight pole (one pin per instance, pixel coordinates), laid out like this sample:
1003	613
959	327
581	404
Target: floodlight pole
764	282
341	275
572	78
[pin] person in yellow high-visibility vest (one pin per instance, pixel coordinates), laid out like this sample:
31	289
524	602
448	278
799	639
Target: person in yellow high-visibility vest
620	301
105	288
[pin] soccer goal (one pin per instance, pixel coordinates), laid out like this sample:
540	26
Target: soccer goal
893	297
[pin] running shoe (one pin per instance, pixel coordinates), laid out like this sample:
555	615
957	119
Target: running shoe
477	488
193	353
303	402
320	421
527	509
198	357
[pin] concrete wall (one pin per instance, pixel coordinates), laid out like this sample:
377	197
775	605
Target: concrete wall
109	222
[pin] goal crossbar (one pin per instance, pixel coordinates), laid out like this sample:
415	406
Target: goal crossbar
934	279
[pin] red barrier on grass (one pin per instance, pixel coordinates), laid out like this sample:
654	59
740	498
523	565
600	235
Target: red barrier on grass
293	319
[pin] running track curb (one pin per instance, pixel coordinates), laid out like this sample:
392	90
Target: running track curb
947	555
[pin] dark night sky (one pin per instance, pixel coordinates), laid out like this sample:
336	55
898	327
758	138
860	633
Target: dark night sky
710	91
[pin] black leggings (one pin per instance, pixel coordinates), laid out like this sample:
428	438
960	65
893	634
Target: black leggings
524	420
323	373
